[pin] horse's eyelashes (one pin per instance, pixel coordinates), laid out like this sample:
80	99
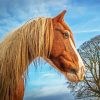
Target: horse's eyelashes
66	34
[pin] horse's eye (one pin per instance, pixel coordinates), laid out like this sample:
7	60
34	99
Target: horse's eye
66	34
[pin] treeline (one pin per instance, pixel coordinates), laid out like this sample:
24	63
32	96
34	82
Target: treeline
89	88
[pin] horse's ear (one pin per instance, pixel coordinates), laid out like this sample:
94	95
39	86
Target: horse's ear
59	17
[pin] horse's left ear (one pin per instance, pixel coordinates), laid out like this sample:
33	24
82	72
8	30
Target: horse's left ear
60	17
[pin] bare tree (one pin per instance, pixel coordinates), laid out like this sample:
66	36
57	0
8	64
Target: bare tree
90	87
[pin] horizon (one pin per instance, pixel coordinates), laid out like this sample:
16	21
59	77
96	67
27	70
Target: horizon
82	18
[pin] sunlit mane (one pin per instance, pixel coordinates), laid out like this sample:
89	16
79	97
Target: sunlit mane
18	50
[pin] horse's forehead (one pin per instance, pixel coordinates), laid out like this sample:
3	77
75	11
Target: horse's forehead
58	25
62	27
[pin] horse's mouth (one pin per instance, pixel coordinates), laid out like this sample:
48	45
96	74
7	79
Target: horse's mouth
73	75
69	70
70	74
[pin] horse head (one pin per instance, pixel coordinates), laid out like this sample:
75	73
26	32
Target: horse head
64	54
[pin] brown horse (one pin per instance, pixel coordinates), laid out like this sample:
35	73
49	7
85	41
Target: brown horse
49	38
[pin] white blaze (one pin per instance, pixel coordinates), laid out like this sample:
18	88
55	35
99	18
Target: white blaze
80	62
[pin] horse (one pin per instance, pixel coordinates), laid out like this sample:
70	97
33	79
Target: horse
49	38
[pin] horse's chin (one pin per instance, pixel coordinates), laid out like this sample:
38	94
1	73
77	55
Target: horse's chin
72	77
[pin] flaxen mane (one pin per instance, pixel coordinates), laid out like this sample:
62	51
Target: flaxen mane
19	49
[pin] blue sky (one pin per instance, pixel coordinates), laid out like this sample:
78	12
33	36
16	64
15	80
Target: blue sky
83	17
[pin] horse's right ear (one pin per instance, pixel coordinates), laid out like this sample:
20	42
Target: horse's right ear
59	17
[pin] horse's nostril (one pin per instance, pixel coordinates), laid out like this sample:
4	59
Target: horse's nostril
73	71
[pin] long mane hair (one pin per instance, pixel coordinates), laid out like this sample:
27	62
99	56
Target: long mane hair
17	51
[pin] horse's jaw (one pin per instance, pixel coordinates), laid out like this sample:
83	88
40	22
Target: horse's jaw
70	75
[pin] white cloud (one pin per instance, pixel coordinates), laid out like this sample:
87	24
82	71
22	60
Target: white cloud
45	83
87	31
18	12
48	75
47	79
48	90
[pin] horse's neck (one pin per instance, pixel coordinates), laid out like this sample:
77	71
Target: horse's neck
26	43
19	49
14	51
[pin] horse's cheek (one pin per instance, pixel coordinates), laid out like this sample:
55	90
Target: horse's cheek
57	49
